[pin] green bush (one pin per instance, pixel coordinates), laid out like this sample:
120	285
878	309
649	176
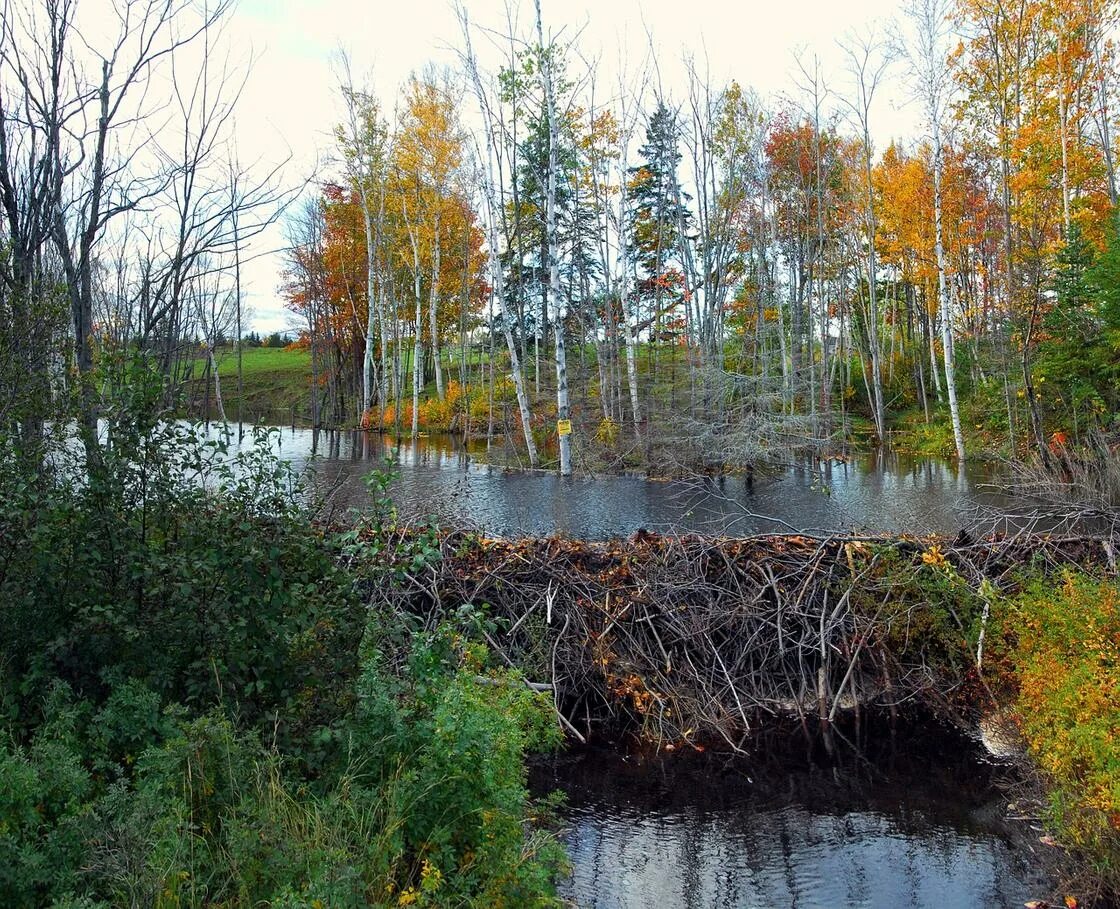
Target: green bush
45	794
453	735
200	711
181	565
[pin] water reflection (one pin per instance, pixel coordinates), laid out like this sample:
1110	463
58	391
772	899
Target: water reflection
919	828
878	492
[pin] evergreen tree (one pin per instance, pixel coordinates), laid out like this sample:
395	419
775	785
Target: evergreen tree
658	211
1076	360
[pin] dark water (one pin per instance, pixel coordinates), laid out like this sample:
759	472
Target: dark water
918	824
915	822
879	492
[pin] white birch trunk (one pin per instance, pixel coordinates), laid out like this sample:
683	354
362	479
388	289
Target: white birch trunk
943	297
371	306
493	212
418	344
217	383
382	310
1063	129
935	370
873	301
433	303
623	288
562	411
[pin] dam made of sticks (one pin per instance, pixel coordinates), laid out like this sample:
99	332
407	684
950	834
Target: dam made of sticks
694	639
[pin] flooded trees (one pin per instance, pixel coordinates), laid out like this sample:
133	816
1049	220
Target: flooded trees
492	199
927	50
736	278
547	87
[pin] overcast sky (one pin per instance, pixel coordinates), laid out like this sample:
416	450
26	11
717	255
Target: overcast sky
290	101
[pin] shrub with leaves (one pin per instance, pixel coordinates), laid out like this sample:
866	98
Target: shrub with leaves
1068	664
200	711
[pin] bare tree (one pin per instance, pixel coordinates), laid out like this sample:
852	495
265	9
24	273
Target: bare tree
867	63
305	235
132	141
629	124
88	126
215	313
494	207
814	88
27	204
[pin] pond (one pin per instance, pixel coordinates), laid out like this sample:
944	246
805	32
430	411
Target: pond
913	821
877	492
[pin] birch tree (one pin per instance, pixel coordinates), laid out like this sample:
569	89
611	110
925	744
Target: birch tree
866	66
493	205
547	86
364	142
629	111
927	51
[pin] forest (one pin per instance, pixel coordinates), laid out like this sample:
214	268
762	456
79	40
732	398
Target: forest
711	277
217	691
694	278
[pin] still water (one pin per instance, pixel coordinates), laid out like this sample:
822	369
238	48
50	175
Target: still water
915	822
437	476
909	822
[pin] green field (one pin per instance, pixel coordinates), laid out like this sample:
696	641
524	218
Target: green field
256	360
276	382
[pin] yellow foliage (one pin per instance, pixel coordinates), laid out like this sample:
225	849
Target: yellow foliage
607	433
934	557
1068	658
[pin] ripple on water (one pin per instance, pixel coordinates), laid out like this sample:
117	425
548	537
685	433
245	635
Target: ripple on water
894	834
880	492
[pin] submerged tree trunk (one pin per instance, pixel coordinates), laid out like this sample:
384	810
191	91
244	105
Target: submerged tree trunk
217	384
562	412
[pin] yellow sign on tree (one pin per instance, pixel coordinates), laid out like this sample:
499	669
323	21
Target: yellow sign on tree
564	427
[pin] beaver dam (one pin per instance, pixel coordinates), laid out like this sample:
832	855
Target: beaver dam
796	720
693	639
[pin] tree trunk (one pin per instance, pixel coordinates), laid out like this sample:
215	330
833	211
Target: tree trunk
562	412
367	360
418	344
943	299
217	385
433	303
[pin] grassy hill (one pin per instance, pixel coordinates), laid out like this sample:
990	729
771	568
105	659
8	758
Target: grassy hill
276	380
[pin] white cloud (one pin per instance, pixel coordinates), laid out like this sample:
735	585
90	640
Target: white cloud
291	102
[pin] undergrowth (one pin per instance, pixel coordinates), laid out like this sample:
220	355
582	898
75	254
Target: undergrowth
1065	649
198	708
